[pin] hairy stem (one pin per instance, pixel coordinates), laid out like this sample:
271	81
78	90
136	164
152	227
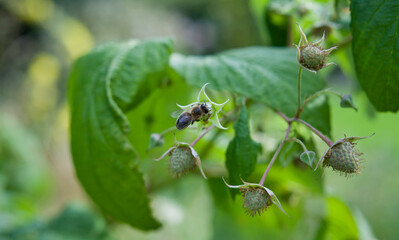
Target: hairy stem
225	117
202	135
317	132
262	180
298	114
168	130
299	142
299	87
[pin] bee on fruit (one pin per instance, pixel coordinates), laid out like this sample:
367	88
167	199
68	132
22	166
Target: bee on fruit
196	113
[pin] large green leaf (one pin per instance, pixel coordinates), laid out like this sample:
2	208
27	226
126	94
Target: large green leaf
242	151
267	74
375	29
104	85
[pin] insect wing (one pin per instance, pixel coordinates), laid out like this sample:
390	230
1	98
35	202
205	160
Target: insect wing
177	113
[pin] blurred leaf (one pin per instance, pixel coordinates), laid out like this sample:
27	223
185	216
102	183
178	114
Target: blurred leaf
341	224
363	226
307	157
104	85
242	151
75	222
376	50
265	74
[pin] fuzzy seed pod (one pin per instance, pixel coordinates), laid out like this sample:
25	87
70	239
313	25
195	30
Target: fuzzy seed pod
181	160
256	197
343	157
256	200
311	55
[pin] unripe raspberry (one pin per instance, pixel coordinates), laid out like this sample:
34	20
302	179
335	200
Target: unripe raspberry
311	55
256	200
343	157
181	160
256	197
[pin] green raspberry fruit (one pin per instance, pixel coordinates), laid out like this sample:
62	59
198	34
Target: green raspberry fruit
181	160
343	157
313	57
256	200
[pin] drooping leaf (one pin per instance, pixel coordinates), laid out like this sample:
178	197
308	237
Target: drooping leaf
266	74
375	30
103	85
307	157
242	151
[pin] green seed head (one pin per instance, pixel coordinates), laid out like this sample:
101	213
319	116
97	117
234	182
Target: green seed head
343	157
256	200
313	57
181	160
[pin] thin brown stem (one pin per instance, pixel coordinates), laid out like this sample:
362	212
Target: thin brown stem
202	135
225	117
307	100
262	180
317	132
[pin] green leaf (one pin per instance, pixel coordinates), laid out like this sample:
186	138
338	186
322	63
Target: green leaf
307	157
375	30
266	74
242	151
104	85
341	223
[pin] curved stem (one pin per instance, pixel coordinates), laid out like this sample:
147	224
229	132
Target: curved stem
317	132
168	130
299	142
202	135
262	180
225	117
298	114
299	87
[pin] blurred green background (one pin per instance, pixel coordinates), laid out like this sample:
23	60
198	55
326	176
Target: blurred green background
40	197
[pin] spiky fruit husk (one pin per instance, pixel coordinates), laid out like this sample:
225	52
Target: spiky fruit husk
344	158
313	57
181	160
256	200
